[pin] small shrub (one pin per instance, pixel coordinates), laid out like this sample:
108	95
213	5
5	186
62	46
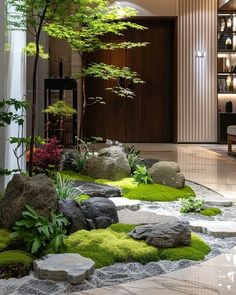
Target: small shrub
141	175
133	157
39	233
211	211
191	205
65	187
48	156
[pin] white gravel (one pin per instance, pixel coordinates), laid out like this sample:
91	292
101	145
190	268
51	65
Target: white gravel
124	272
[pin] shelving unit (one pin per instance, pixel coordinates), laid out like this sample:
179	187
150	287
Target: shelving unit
226	70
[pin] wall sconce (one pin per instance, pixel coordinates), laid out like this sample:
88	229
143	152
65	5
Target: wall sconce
200	54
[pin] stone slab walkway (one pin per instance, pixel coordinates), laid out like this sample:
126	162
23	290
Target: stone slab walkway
218	229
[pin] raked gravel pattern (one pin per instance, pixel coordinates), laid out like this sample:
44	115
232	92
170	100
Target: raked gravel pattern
125	272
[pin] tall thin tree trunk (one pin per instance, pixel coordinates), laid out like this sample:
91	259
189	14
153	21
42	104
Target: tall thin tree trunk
84	98
34	96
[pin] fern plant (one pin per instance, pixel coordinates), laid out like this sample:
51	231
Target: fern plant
141	175
39	233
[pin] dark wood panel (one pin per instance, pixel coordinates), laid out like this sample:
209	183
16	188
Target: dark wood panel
151	116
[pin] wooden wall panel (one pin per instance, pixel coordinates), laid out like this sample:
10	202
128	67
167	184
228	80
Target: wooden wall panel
197	77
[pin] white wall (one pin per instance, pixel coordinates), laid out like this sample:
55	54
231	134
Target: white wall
153	7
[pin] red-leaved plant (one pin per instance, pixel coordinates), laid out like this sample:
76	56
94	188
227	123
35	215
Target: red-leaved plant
49	155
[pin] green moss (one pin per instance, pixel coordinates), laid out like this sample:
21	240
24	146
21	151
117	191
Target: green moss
197	251
76	176
143	192
211	211
4	239
106	247
122	228
149	192
13	257
126	184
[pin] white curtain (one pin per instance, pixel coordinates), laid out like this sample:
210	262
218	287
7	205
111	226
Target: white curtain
14	87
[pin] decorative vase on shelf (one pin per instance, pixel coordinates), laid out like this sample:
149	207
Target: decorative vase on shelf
229	23
228	43
222	25
234	22
228	106
234	42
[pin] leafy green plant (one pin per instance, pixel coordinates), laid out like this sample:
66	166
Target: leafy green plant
65	187
39	233
141	175
31	16
84	30
191	205
133	157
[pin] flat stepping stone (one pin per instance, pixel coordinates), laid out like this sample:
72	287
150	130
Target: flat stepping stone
218	229
222	202
72	268
122	203
98	190
127	216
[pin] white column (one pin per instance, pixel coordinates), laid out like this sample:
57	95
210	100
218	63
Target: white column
14	86
2	145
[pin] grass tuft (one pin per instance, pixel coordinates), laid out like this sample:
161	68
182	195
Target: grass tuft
5	239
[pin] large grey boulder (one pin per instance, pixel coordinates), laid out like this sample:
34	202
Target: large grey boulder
74	213
101	212
166	234
98	190
72	268
110	163
37	191
167	173
112	151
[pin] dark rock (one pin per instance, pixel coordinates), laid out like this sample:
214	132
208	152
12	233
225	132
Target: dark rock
102	222
98	208
167	173
98	190
173	233
73	212
37	191
93	213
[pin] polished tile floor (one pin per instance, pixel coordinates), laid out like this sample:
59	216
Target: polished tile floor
216	276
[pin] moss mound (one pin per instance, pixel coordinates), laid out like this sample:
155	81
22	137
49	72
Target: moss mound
4	239
149	192
142	192
211	211
197	251
108	246
15	263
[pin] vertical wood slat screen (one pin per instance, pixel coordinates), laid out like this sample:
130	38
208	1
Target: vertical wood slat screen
197	77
